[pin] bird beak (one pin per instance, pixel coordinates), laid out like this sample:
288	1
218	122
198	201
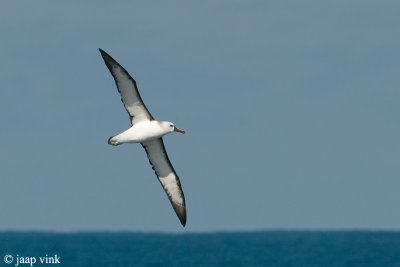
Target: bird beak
176	129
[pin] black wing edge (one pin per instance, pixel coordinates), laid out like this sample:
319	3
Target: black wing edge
107	59
179	210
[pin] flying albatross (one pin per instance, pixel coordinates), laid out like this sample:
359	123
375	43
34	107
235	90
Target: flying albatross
148	132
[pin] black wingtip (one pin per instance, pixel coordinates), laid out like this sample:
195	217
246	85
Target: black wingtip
108	60
183	221
181	212
103	53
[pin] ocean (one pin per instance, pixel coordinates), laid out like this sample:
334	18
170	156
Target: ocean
267	248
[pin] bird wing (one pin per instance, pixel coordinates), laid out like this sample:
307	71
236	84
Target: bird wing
126	85
166	175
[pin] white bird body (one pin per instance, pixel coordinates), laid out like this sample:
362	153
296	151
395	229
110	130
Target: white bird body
143	131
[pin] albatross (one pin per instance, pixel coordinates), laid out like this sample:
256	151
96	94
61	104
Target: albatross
148	132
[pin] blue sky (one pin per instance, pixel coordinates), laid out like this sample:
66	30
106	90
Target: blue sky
291	111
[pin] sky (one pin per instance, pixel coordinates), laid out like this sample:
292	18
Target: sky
291	110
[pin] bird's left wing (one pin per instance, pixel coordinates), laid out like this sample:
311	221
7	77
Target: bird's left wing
166	175
127	87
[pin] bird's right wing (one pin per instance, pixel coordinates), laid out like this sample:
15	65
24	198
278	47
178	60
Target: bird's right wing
166	175
126	85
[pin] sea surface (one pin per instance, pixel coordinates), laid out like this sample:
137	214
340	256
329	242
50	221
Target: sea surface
268	248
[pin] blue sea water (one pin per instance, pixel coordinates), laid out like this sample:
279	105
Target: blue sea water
268	248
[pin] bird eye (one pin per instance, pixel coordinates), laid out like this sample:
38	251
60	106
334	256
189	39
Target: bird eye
171	125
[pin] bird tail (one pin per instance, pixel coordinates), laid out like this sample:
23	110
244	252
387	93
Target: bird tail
111	143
